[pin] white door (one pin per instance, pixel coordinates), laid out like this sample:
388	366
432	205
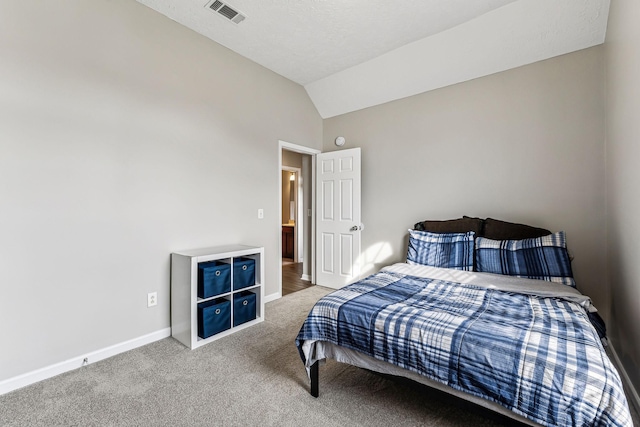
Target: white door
338	225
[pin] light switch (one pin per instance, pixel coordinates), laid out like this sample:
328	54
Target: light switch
260	213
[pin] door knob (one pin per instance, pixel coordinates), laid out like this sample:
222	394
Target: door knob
355	228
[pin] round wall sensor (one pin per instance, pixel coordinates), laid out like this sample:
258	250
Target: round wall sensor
340	141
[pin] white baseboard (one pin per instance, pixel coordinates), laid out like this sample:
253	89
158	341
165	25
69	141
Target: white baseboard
306	277
74	363
272	297
635	398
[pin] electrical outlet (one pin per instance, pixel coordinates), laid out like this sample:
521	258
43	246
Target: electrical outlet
152	299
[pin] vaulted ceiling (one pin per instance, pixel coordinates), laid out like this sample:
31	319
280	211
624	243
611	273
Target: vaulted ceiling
354	54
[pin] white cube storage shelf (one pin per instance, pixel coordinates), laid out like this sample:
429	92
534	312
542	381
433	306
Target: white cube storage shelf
184	290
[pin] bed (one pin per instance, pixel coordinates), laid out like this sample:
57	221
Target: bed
496	321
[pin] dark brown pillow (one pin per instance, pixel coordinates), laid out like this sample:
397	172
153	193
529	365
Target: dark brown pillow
502	230
480	232
460	225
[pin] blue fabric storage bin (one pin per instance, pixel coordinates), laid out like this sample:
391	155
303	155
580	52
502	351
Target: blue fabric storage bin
213	317
244	273
214	278
244	307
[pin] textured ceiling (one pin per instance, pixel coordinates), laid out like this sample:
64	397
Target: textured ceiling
344	52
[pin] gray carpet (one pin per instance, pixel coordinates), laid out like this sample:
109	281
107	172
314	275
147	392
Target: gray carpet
251	378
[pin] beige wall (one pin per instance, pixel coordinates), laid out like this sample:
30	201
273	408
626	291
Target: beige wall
123	137
292	159
524	145
623	178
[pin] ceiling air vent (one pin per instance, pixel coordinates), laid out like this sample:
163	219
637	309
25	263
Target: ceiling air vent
227	11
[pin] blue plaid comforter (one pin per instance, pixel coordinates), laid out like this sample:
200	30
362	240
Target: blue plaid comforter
536	356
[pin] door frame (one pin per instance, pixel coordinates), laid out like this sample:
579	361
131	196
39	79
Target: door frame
284	145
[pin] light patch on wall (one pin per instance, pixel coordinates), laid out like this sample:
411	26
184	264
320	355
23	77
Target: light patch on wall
374	255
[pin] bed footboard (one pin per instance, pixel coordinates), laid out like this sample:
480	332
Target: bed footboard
315	373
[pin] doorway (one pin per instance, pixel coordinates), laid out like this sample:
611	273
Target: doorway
334	258
296	255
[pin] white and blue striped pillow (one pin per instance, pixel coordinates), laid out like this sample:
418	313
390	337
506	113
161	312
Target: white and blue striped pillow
542	258
447	250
